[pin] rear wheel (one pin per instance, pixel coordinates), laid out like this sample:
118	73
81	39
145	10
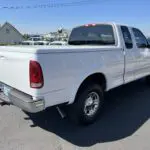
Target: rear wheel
148	80
88	104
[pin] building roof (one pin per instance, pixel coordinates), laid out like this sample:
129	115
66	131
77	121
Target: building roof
11	26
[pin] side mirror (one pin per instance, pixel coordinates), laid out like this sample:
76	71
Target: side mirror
143	46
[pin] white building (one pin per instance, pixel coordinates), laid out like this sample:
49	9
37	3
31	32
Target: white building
9	34
50	35
62	36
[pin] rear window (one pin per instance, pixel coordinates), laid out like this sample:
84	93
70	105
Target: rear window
92	34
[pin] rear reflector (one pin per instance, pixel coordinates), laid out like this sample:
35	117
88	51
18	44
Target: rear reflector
36	75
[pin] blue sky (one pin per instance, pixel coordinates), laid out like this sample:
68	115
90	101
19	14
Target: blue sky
132	12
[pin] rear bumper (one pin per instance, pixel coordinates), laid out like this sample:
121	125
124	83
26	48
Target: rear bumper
23	101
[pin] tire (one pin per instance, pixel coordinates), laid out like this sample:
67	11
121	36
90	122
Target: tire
148	80
84	111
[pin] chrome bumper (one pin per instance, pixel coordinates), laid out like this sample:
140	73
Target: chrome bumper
23	101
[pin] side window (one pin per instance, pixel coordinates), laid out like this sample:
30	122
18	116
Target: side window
140	39
127	37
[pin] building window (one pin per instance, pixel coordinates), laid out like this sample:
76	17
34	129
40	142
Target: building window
7	31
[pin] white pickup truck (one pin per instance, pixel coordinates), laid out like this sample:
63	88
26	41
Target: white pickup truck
98	57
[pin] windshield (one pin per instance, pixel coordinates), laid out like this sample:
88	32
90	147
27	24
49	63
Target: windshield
93	34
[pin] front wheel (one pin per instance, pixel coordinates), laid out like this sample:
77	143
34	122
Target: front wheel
88	104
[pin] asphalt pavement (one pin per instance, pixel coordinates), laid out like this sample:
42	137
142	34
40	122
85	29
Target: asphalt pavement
124	125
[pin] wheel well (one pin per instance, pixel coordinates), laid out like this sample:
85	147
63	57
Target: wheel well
94	78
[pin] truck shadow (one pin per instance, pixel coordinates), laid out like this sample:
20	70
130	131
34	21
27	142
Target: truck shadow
127	109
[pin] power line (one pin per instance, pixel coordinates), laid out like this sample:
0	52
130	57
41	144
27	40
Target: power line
53	5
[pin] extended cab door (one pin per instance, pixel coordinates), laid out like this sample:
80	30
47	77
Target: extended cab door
129	55
143	54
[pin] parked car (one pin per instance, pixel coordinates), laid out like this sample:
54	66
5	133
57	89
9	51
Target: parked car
27	42
58	43
34	41
41	43
99	57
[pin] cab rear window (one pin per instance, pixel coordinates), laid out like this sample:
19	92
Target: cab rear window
92	34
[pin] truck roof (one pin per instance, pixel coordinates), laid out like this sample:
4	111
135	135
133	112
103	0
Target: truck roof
103	23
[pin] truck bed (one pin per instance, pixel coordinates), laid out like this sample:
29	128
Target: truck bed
54	49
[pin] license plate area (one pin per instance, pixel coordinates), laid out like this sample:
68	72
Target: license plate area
4	92
5	89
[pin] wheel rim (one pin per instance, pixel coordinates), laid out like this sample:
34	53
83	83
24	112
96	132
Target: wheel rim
91	104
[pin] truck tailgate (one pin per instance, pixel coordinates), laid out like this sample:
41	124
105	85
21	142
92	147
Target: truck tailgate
14	70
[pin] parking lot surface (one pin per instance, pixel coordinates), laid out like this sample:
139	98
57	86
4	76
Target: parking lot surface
124	125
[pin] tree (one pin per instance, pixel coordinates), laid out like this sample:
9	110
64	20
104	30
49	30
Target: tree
26	36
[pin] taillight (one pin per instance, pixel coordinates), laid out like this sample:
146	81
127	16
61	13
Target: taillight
36	75
88	25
